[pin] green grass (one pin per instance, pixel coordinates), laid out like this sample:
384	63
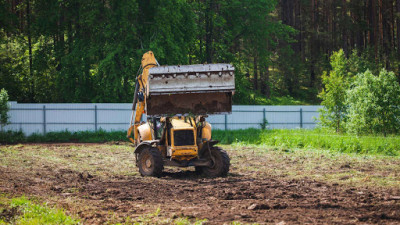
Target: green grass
352	169
258	99
28	212
12	137
298	138
312	139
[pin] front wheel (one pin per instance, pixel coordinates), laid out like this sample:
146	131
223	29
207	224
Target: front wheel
150	162
220	163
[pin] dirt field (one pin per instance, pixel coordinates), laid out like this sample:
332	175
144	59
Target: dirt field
100	184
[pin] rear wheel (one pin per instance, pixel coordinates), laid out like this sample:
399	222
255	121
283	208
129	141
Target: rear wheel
220	165
198	170
150	162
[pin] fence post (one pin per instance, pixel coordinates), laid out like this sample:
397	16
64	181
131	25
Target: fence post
95	118
301	117
226	122
264	126
44	119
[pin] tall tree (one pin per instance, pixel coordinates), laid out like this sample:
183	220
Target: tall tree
28	23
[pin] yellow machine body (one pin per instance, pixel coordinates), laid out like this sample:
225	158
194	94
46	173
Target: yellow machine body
206	131
182	151
144	132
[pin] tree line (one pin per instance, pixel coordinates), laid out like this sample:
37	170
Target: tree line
90	50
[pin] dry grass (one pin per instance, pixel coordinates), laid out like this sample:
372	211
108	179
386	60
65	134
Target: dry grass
322	165
100	160
118	160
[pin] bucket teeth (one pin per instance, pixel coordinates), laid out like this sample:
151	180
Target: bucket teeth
201	78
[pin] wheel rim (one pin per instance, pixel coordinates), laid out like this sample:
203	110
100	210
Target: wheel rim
147	164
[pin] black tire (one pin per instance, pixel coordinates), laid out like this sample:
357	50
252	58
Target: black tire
220	167
198	170
150	162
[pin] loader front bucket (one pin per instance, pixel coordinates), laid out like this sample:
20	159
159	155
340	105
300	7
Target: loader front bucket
191	89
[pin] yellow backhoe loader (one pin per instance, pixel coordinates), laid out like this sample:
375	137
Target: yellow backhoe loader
168	126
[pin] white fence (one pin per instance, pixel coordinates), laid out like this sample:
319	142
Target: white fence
42	118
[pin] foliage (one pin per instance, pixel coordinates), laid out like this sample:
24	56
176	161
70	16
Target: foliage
32	213
359	104
264	124
100	136
312	139
373	104
11	137
333	95
4	108
90	51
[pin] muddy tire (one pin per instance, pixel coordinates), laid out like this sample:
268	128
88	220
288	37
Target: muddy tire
220	167
150	162
198	170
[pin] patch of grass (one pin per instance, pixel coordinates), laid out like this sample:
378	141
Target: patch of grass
101	136
24	211
95	159
81	136
350	169
312	139
282	138
277	100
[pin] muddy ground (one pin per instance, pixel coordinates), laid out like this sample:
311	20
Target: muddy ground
101	186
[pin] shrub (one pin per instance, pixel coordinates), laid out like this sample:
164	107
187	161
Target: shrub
11	137
4	108
374	104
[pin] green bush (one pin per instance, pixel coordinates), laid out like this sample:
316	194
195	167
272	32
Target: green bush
11	137
4	108
374	104
362	104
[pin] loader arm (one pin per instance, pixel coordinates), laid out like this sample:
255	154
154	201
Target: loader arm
140	97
